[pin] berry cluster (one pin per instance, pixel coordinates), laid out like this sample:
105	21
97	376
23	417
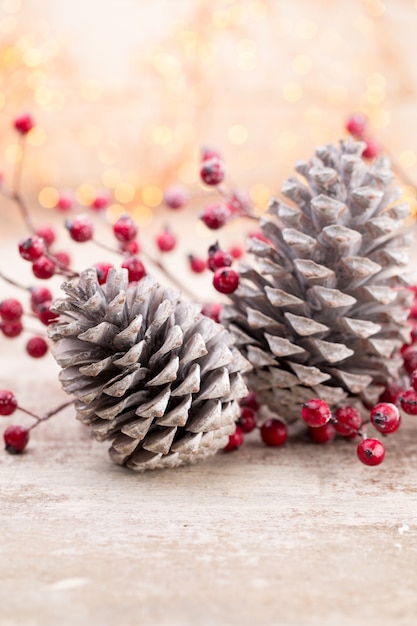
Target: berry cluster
358	126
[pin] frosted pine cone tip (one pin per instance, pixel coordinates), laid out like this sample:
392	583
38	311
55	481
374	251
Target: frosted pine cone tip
149	372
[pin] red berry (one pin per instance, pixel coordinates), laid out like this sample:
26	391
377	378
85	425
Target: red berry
100	202
322	434
408	401
236	252
212	171
47	233
372	149
16	439
357	125
197	265
65	203
102	270
23	124
250	401
81	228
413	379
131	247
32	248
240	202
209	153
43	267
63	259
258	234
225	280
44	313
11	329
38	295
370	452
385	417
166	241
212	310
218	258
247	419
215	216
8	402
348	421
391	393
274	432
235	440
176	197
135	268
10	310
36	347
316	412
410	359
125	229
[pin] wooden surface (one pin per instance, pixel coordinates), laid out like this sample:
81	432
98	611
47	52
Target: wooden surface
303	535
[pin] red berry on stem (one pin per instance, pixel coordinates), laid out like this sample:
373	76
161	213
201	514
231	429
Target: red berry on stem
250	401
413	379
235	440
209	153
348	421
274	432
38	295
131	247
8	402
391	393
102	270
197	265
410	359
11	310
99	203
218	258
236	252
81	228
357	125
372	149
322	434
247	419
44	313
23	124
46	233
212	310
63	259
11	329
166	241
16	439
217	215
408	401
225	280
316	412
36	347
385	417
64	203
32	248
176	197
125	229
43	267
370	452
135	268
212	171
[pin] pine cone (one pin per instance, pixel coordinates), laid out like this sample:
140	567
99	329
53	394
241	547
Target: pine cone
149	372
322	311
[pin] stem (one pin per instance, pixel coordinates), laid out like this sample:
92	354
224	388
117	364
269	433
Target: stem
172	277
47	415
15	193
104	246
13	282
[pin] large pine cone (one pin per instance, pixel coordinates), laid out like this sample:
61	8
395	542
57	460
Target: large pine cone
149	372
322	311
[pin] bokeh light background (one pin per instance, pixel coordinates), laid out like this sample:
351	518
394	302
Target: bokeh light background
125	92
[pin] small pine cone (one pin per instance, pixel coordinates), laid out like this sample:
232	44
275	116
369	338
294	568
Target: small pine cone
322	310
150	373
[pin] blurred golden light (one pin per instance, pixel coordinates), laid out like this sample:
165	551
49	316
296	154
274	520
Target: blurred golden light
13	154
124	192
301	64
36	79
287	140
162	135
166	64
237	134
90	136
258	10
374	95
376	80
337	94
43	96
114	211
37	136
381	117
142	215
152	196
91	91
111	178
187	172
85	194
407	158
48	197
292	92
260	195
375	8
221	18
32	57
12	6
305	29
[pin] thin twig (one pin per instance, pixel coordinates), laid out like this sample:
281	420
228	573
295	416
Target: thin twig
13	282
47	415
